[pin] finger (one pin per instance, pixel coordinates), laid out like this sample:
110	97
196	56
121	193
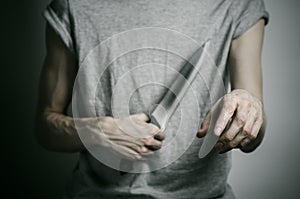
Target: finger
227	112
250	130
145	129
225	149
160	136
133	146
152	144
204	126
234	128
249	124
148	131
206	121
127	152
256	128
153	129
219	146
222	148
140	116
124	138
254	132
201	133
237	140
245	142
147	154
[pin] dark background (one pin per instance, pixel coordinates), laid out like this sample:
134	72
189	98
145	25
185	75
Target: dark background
29	171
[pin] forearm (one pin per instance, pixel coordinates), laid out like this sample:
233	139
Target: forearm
246	74
57	132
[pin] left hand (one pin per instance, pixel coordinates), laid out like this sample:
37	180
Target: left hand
246	114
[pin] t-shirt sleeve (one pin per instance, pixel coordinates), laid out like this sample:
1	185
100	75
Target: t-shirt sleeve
57	14
248	13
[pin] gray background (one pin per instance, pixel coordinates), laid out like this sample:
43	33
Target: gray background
28	171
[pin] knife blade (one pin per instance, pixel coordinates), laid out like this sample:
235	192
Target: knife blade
168	105
210	138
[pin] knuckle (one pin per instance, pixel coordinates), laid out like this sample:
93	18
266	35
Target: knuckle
227	112
241	119
232	144
247	104
253	136
229	106
223	139
152	127
227	137
147	141
247	131
138	149
245	142
255	115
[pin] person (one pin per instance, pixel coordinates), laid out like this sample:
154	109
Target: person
75	28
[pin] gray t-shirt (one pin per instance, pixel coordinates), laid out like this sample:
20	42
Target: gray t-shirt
128	53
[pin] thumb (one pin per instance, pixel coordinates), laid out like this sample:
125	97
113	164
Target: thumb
140	116
204	126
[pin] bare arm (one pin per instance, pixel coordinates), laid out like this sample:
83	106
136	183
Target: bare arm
244	105
54	130
245	60
246	71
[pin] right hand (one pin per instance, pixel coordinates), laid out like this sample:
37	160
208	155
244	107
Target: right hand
131	137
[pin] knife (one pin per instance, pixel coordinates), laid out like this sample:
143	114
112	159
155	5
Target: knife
168	105
210	138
